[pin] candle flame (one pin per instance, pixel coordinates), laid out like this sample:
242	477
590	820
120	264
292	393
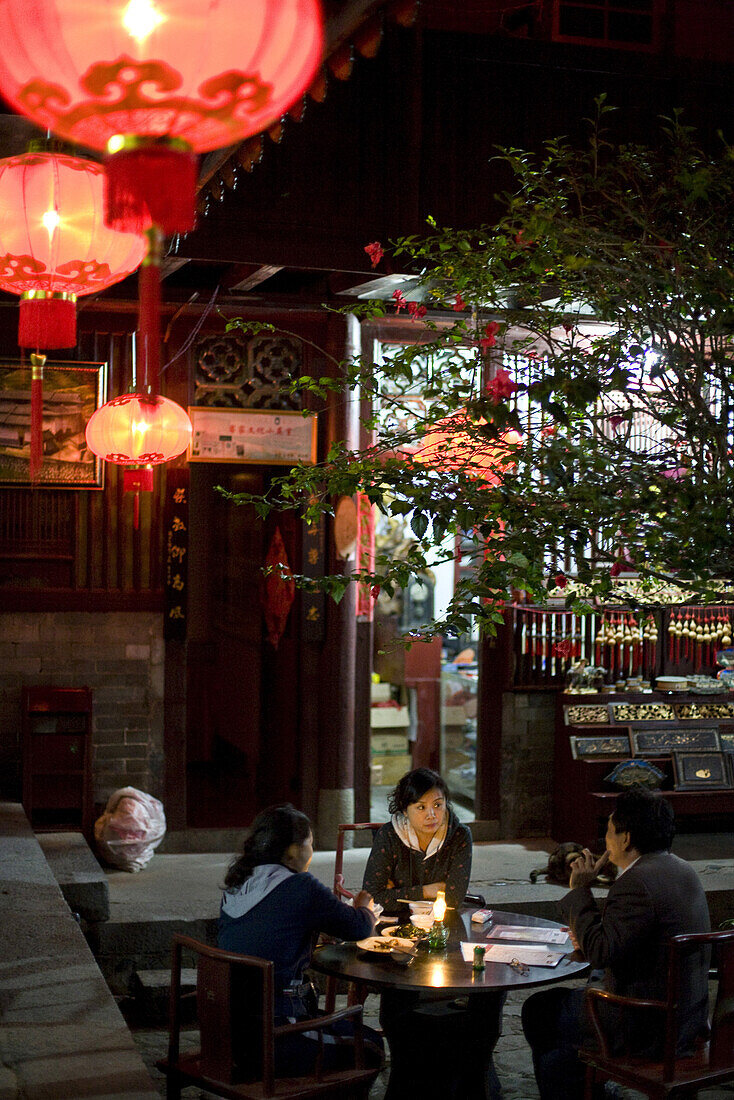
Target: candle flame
439	906
140	19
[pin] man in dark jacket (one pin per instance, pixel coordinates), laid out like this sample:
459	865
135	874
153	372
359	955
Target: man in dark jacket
655	896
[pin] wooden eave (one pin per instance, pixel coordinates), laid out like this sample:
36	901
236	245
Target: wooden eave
351	26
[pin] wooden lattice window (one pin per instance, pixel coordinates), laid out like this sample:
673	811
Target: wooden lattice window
626	24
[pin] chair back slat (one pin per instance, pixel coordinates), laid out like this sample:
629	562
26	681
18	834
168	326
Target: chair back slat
722	1023
236	1003
341	830
214	1004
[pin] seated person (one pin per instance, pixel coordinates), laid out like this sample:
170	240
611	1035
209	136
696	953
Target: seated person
273	909
437	1044
655	896
424	848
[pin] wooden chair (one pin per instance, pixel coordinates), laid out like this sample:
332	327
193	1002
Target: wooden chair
340	889
712	1062
236	1000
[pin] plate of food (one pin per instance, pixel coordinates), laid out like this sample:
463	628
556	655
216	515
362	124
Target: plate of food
405	931
384	945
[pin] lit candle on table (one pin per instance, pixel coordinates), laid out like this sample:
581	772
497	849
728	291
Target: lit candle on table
438	935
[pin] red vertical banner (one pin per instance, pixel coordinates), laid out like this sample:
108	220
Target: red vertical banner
365	556
177	550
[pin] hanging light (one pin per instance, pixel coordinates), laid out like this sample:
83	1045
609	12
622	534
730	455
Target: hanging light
138	429
448	445
54	248
142	429
54	244
154	82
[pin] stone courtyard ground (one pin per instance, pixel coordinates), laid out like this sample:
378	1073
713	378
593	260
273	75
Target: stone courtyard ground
512	1057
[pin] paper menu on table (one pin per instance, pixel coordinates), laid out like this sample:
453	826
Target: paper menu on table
528	935
502	953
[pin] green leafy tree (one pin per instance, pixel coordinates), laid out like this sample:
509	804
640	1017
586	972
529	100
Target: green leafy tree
579	362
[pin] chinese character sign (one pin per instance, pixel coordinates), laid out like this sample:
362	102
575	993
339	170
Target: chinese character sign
177	550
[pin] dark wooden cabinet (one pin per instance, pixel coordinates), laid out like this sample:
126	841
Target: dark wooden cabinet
57	758
582	796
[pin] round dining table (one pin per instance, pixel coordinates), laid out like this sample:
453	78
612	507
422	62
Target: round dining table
444	975
445	972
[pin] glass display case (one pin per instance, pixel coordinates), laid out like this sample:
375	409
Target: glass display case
459	730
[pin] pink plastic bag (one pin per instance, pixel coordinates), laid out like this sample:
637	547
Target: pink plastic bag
130	829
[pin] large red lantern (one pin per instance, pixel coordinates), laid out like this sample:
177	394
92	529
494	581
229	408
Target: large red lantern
153	82
54	245
449	445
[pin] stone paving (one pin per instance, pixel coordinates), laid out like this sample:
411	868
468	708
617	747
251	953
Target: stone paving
512	1057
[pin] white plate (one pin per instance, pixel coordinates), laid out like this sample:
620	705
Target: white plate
381	946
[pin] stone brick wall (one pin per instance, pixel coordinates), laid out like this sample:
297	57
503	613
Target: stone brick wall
120	657
528	726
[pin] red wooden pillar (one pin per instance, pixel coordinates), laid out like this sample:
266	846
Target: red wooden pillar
337	663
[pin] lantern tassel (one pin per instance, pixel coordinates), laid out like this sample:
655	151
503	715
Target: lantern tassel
149	310
151	183
37	364
47	321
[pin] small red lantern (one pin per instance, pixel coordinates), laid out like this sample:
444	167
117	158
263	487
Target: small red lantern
54	244
153	82
138	431
447	445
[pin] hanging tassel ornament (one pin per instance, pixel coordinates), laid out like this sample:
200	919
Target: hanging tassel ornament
47	319
150	180
37	365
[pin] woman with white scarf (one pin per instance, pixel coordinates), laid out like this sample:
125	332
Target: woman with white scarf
424	848
437	1045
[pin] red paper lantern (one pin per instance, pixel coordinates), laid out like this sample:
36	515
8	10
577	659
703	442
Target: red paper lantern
153	82
139	429
54	245
447	445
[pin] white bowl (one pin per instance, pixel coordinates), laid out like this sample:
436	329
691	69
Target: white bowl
672	683
422	920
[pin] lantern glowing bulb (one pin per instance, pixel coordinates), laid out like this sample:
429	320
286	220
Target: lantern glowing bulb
140	19
439	906
50	222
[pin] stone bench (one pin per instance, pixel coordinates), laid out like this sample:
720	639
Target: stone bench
62	1035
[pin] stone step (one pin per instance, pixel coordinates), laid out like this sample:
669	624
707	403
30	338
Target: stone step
80	877
122	948
151	990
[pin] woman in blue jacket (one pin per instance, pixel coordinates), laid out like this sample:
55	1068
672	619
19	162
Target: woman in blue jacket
274	909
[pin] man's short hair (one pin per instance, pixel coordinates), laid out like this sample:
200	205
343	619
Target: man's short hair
647	817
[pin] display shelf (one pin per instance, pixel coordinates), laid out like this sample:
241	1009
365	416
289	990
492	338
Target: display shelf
57	754
582	801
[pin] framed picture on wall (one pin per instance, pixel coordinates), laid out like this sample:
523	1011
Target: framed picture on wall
269	437
71	393
695	771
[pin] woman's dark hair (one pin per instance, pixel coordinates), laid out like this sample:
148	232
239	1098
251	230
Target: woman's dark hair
413	786
269	837
647	817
